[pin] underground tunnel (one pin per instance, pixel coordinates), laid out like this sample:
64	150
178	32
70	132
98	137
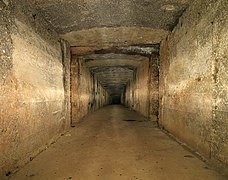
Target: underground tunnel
124	89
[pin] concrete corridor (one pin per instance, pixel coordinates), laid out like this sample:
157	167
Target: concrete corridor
116	143
63	60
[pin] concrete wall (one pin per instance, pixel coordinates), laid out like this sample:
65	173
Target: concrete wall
141	93
34	93
194	79
87	93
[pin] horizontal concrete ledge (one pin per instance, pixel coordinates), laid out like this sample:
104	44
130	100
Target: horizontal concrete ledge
103	38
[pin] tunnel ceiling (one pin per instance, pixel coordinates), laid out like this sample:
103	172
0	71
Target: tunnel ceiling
96	23
73	15
112	36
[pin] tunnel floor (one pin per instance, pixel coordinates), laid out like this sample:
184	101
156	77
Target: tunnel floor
116	143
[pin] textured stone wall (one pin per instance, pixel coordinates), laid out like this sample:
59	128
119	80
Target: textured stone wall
219	136
136	97
153	87
141	89
7	88
141	93
194	79
66	62
87	93
34	91
74	92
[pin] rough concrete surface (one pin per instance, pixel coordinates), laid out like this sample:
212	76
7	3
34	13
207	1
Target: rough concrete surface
116	143
66	62
87	93
193	80
136	96
67	16
34	100
112	56
141	92
5	42
99	38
